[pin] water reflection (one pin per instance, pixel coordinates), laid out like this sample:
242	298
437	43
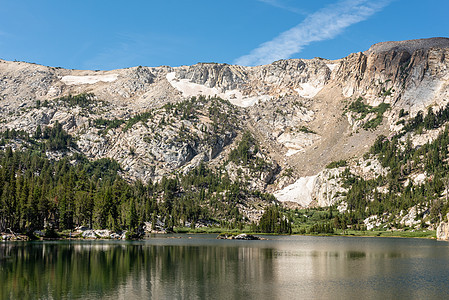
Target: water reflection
204	268
130	270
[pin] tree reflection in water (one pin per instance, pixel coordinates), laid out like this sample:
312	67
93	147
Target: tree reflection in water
117	270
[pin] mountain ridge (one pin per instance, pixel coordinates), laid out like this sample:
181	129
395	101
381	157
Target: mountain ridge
304	114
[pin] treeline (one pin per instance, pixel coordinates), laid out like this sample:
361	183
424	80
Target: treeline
359	107
273	221
37	193
82	100
53	138
245	151
246	154
432	120
397	153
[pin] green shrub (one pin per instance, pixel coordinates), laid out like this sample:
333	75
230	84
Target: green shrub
337	164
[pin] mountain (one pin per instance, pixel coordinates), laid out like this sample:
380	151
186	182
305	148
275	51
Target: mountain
304	130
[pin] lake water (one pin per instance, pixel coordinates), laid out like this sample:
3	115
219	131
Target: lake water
201	267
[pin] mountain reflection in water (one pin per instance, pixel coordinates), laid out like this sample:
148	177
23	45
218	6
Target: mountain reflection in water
200	267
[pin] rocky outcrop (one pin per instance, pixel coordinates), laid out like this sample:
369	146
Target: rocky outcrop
390	66
221	76
243	236
409	46
410	74
323	189
443	230
296	109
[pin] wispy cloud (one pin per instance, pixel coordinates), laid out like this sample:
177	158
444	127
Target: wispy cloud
282	5
324	24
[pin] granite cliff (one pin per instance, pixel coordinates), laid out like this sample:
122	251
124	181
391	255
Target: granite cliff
303	114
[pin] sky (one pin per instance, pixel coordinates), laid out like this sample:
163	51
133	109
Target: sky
110	34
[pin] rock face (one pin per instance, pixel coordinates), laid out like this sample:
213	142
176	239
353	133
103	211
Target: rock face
443	230
409	46
397	72
323	189
296	109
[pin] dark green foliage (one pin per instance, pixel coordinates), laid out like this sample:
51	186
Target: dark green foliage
245	151
359	107
402	113
106	124
36	192
400	122
431	121
82	100
12	134
364	109
320	228
288	172
187	109
50	139
143	117
337	164
386	92
273	221
379	110
246	154
56	139
306	130
402	159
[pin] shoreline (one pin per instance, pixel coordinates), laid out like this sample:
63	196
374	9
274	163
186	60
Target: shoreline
63	236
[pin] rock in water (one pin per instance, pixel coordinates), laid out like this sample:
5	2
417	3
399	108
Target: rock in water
247	237
243	236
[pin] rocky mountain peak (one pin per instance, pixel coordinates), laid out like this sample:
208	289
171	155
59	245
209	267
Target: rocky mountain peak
409	46
304	113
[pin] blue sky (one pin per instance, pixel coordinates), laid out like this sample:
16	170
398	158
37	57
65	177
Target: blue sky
109	34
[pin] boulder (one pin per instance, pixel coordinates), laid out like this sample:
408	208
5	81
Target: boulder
247	237
103	233
115	236
443	230
6	237
243	236
89	234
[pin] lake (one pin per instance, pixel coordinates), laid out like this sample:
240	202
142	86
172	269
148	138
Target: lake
201	267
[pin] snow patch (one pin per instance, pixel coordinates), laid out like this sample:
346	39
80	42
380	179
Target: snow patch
299	192
331	66
308	90
88	79
189	89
